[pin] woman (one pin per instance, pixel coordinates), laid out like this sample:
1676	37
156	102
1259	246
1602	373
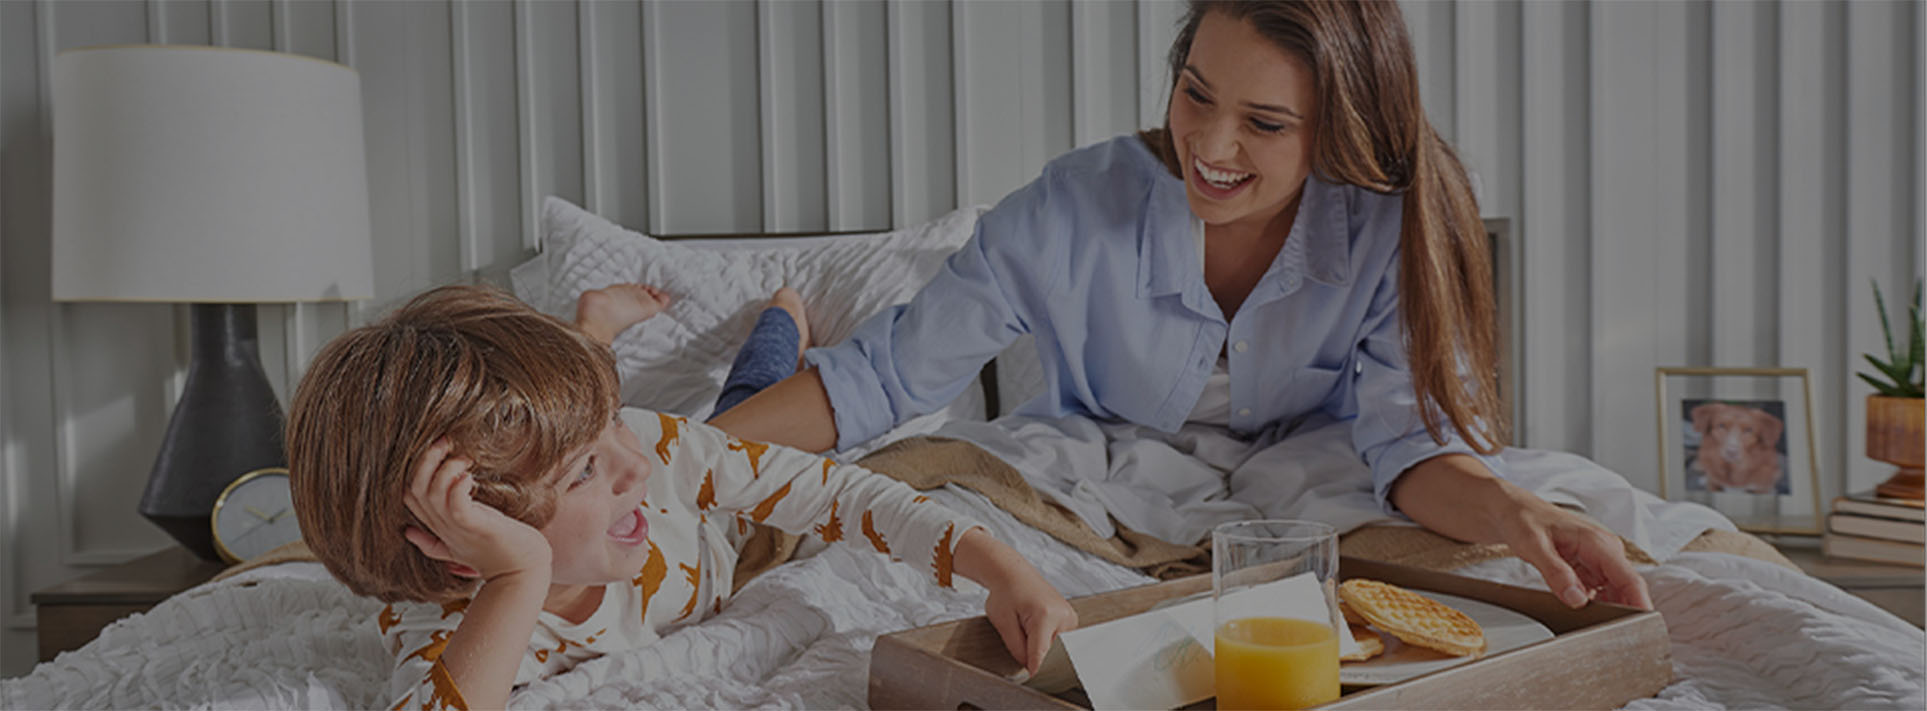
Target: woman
1296	241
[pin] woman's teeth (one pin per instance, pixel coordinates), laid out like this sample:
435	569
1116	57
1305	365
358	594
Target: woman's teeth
1220	179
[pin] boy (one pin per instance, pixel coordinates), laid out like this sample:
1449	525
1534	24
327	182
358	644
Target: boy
544	525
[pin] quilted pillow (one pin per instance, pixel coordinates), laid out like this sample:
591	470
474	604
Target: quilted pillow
676	361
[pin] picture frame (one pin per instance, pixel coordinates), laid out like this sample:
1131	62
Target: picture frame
1735	440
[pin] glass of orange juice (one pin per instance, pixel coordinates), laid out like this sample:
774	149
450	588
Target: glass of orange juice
1274	586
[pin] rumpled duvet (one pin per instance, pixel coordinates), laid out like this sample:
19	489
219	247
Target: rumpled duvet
1746	634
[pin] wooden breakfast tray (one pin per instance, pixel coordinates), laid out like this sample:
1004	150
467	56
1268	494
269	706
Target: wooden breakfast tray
1601	656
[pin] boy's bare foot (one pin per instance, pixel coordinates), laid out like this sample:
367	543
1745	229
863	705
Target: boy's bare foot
790	301
606	312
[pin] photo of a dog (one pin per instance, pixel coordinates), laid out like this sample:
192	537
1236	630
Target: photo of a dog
1735	446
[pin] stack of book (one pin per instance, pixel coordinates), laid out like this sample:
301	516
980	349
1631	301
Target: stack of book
1868	527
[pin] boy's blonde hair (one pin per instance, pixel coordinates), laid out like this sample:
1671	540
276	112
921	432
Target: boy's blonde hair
515	392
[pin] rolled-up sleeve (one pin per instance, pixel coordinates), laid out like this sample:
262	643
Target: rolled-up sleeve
914	358
1388	432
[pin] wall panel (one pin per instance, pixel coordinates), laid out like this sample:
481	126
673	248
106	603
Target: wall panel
1693	183
1674	152
1741	239
1555	211
857	114
249	25
978	55
620	176
1807	279
554	103
702	67
178	21
1104	56
1434	31
791	74
1624	74
494	211
923	164
1486	78
10	552
1157	27
1881	134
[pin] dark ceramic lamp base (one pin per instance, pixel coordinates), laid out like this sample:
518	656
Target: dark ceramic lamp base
226	424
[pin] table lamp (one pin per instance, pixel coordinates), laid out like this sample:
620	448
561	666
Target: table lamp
221	178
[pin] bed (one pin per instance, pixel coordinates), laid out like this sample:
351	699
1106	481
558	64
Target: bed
1747	633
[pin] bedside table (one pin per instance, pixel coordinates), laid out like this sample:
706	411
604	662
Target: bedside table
1895	588
72	613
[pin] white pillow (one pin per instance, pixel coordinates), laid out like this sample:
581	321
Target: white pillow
676	361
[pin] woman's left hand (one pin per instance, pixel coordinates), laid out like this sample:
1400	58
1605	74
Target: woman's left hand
1578	559
1456	495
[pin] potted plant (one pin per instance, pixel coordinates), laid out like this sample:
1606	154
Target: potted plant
1896	410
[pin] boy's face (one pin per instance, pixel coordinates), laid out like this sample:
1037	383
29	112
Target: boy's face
599	533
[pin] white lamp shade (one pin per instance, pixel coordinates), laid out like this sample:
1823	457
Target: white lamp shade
200	174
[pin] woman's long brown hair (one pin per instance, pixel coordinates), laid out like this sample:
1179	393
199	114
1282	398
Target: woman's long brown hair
1373	133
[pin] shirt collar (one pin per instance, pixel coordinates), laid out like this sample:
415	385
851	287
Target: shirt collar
1328	246
1167	261
1318	248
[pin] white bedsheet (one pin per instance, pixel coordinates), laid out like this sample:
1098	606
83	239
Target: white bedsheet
1745	635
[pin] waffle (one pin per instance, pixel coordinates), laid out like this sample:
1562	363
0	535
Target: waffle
1414	619
1351	615
1369	644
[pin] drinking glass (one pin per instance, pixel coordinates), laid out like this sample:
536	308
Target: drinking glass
1274	586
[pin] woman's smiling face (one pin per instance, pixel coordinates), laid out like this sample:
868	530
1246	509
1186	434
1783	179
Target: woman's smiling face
1241	122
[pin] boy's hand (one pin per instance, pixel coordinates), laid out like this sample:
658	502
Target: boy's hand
475	539
1027	612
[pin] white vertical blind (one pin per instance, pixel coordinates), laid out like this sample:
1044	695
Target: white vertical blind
1695	183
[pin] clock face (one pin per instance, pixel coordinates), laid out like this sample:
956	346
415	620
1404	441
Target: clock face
255	515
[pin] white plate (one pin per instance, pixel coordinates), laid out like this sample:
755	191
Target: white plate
1504	630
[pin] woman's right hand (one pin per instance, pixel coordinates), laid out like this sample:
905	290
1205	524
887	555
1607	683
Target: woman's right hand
473	538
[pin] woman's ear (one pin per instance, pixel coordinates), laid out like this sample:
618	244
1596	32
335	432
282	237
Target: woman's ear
462	571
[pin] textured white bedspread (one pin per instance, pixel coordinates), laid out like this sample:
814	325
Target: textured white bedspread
1745	635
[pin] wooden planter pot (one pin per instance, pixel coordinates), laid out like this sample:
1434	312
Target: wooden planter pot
1895	435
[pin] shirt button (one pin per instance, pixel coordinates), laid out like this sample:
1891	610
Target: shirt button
1245	412
1241	346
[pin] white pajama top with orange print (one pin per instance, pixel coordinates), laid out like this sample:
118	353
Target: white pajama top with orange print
706	489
